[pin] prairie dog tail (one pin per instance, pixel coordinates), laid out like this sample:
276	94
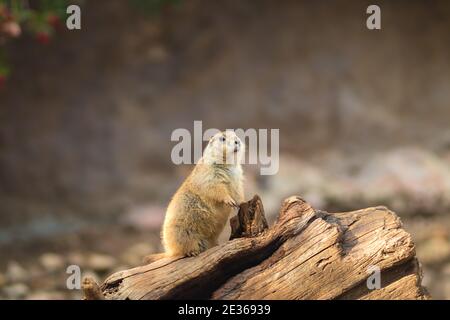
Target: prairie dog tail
153	257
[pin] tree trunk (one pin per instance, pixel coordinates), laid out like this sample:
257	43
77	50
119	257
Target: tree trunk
306	254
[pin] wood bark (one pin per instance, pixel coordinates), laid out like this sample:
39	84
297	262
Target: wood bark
306	254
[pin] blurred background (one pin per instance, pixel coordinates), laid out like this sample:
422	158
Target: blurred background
86	118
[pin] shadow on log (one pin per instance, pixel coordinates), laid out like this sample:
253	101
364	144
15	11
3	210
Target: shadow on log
306	254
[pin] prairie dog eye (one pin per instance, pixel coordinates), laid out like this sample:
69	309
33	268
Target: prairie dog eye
222	139
236	142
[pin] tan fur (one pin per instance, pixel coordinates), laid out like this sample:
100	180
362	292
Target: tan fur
200	208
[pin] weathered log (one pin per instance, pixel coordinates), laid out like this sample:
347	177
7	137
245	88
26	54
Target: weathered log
306	254
91	289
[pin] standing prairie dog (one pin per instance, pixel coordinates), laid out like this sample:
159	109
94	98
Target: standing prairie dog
200	208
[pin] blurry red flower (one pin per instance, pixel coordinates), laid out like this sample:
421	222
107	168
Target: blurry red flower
43	37
54	21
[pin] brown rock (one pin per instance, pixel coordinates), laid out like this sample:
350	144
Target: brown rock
52	262
433	251
76	258
100	262
46	295
133	255
15	272
16	291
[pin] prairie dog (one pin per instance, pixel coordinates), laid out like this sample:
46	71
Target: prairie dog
200	208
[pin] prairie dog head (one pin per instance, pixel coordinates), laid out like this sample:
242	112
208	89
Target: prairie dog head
224	148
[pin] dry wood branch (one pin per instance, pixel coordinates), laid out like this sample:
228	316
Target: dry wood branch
250	220
91	289
306	254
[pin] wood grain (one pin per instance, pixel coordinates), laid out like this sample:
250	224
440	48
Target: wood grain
306	254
